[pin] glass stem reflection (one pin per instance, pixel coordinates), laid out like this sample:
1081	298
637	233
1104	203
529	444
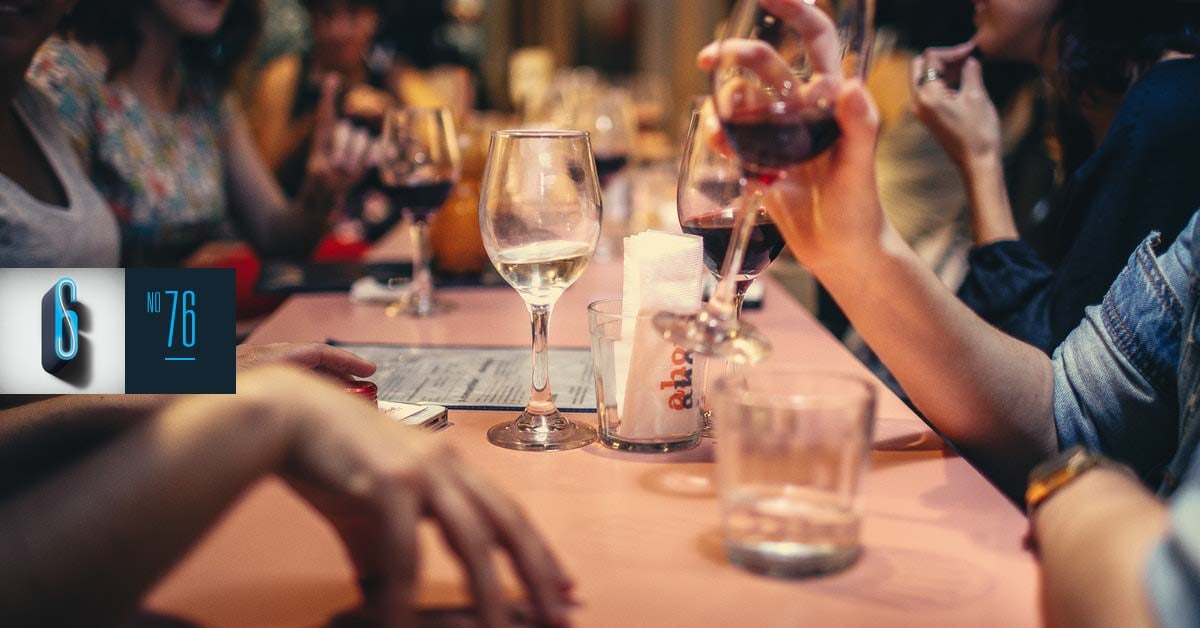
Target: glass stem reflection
540	411
726	301
422	286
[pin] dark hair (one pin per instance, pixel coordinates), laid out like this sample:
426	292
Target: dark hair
113	26
1104	47
318	5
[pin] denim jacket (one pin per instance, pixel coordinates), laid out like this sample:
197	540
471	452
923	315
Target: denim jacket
1127	383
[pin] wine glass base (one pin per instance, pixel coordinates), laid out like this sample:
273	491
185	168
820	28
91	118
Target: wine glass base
729	339
541	433
418	309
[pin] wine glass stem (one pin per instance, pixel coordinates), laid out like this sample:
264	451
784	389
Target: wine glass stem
422	286
540	401
726	301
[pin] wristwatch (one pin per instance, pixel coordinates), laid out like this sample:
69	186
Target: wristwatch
1049	477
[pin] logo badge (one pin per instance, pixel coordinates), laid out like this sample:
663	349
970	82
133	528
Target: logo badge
60	325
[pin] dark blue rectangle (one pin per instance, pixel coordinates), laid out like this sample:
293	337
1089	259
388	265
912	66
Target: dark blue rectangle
180	332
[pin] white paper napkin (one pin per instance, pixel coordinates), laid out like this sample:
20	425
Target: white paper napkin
663	272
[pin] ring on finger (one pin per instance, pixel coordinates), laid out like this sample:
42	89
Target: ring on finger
928	76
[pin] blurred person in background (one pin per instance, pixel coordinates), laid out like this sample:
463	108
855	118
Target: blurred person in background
142	87
50	214
1124	81
284	102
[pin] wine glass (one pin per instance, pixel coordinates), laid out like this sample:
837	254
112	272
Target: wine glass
775	81
418	167
739	241
777	77
540	217
610	118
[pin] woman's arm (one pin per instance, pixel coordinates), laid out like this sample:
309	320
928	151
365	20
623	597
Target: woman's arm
274	225
986	391
135	507
1095	537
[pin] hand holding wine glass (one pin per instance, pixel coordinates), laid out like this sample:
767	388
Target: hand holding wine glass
826	206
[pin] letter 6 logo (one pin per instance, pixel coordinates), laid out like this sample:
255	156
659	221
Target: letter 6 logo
60	325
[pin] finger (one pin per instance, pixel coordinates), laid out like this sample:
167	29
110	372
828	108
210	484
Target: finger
761	59
469	537
326	111
972	78
858	119
541	571
815	28
403	513
317	355
706	60
359	143
941	58
341	141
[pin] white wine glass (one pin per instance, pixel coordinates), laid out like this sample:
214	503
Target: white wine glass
540	218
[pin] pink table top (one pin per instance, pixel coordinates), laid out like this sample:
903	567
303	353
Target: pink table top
639	533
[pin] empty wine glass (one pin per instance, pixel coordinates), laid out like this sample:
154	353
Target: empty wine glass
540	218
418	167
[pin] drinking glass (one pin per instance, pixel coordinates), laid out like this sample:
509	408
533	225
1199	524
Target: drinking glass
793	449
540	217
711	197
610	118
777	77
418	165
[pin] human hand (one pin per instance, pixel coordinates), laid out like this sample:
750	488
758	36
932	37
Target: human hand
375	481
964	120
340	154
827	208
315	356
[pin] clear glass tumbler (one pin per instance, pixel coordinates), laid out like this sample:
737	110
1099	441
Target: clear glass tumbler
678	426
793	449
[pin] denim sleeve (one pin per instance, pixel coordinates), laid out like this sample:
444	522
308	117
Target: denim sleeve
1172	574
1115	376
1009	286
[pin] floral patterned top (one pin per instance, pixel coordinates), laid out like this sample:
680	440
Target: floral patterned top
162	173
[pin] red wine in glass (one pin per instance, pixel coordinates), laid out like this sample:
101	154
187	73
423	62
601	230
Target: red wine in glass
422	199
716	230
768	145
607	166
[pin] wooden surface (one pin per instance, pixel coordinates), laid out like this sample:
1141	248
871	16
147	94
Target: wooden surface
638	532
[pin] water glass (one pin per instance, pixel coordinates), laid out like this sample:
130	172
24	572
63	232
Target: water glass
792	450
675	429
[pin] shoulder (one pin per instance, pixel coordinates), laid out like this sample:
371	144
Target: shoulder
69	73
1160	106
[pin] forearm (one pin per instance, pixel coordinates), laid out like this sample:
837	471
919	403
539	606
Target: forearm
987	392
276	226
1095	536
38	437
139	503
991	211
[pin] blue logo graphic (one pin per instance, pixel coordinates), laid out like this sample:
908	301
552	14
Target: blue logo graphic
60	325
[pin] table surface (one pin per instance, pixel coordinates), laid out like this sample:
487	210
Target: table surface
639	532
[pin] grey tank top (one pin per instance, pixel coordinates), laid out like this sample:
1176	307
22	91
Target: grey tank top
34	234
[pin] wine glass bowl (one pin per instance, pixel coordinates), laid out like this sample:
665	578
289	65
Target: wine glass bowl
539	214
777	77
419	164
